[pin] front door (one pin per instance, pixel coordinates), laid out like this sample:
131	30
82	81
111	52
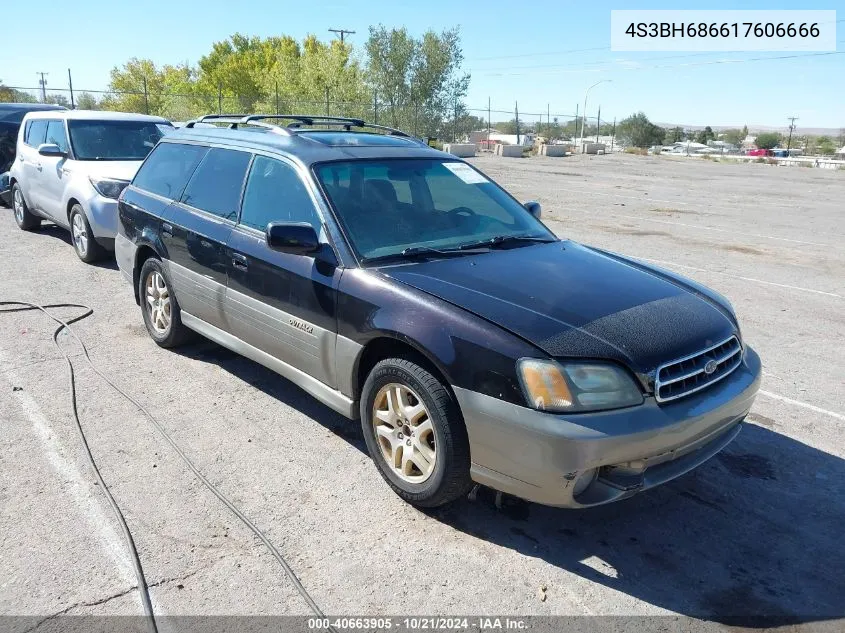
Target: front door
195	231
283	304
35	131
54	174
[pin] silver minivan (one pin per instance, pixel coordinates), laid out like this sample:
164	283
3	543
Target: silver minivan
71	166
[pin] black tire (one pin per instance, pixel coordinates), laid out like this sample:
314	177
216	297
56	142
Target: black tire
24	218
87	249
450	478
176	333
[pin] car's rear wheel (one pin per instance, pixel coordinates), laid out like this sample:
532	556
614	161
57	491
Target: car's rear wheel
415	433
84	244
159	307
25	220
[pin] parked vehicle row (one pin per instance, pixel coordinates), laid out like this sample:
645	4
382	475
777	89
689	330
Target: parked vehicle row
402	287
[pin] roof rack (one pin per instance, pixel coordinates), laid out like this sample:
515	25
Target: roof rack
297	121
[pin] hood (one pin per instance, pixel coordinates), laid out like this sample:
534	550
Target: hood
572	301
117	169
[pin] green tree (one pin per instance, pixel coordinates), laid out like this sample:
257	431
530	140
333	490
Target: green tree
419	81
674	135
733	136
705	135
637	131
825	146
767	140
12	95
87	101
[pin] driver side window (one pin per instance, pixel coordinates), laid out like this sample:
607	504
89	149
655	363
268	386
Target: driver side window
276	193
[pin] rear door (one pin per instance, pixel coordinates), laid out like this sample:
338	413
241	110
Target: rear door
35	131
53	176
282	304
197	228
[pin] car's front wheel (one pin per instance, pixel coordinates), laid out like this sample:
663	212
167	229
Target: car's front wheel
24	218
415	433
86	247
159	307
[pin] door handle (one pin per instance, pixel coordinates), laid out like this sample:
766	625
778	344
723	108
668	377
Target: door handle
167	229
239	261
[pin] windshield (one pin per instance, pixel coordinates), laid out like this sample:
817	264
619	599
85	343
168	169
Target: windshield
391	205
114	140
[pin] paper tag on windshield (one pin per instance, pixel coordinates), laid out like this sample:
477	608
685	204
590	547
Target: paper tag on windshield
465	173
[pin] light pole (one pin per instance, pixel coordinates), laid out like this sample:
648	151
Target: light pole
584	119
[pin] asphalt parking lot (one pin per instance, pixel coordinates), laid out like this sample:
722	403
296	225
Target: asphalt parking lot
755	531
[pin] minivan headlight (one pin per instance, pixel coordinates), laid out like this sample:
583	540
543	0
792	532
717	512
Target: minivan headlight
576	386
109	187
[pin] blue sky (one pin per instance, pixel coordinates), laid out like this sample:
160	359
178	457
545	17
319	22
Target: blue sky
531	52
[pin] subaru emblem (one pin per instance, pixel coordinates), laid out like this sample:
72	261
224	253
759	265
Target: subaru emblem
710	367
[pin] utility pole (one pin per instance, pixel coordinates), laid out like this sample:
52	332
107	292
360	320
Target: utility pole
516	118
43	83
488	124
613	135
575	133
146	97
791	127
548	121
342	32
70	85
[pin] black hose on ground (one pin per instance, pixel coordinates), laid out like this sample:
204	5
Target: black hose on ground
21	306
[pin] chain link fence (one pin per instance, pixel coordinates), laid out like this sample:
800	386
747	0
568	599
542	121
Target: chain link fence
416	119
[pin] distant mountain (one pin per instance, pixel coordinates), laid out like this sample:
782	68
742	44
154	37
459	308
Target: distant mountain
813	131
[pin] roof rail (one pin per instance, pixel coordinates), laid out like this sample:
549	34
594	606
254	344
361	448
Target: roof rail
297	120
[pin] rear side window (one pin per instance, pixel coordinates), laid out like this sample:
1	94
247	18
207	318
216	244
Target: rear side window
168	168
56	134
36	132
276	193
216	185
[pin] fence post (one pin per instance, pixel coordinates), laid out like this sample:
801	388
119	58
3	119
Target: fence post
375	107
146	96
70	85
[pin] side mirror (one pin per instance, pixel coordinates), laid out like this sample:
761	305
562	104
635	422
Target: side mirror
533	207
51	149
296	238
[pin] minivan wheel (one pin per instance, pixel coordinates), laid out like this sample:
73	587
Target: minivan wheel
84	244
159	307
415	434
25	220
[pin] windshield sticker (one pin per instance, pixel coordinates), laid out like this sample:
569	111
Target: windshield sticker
465	173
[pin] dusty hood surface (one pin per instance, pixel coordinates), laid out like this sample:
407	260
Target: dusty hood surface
572	301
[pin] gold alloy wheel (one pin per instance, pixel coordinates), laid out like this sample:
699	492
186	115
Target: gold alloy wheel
158	302
404	433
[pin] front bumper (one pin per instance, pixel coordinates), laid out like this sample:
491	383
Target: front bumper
102	216
5	191
540	456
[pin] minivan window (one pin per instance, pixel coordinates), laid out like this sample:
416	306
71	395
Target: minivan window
276	193
168	168
56	134
36	132
217	183
113	140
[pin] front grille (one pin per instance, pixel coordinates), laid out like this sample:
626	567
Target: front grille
687	375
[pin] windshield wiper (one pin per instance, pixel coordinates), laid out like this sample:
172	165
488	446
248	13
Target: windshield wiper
505	240
424	252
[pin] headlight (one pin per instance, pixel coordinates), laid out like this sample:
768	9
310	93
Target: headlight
577	386
108	187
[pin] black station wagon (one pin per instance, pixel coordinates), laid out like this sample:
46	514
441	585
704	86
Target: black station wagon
401	286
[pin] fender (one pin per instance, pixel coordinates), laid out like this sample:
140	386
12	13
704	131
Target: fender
464	348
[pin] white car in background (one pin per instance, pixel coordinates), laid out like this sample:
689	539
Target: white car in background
70	168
